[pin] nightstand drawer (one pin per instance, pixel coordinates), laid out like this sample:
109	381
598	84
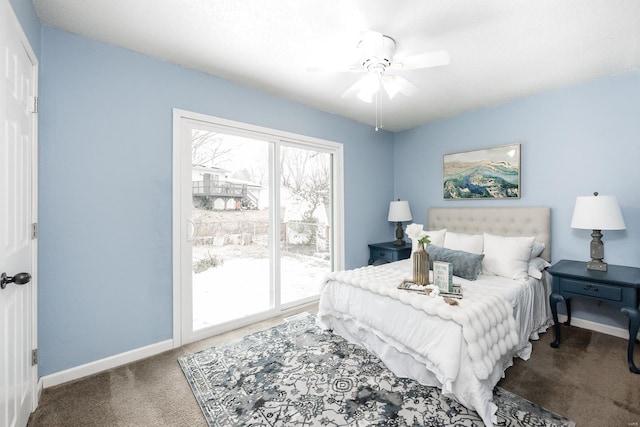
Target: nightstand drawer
595	290
385	255
381	253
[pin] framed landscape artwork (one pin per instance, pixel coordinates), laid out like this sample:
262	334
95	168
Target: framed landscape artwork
492	173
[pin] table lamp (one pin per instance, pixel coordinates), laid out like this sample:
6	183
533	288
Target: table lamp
597	213
399	211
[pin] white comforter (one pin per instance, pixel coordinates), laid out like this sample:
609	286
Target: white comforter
460	349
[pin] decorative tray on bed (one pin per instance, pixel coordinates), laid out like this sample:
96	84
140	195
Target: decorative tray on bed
408	285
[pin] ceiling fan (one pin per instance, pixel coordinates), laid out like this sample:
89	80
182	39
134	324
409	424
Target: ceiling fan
376	59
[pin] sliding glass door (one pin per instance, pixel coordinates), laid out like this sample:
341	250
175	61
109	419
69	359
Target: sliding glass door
260	222
230	216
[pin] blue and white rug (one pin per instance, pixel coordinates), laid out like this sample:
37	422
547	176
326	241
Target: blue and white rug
295	374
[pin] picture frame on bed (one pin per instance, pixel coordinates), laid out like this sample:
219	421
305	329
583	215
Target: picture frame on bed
491	173
443	276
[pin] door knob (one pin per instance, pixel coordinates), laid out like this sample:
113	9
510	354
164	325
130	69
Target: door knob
18	279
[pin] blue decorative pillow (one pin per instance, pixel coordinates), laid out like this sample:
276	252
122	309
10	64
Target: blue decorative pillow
465	264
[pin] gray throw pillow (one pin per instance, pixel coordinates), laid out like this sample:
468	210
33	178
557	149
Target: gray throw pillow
465	264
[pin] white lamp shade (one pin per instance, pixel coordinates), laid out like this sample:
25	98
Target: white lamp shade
597	213
399	211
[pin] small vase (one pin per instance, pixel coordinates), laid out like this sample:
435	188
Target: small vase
421	266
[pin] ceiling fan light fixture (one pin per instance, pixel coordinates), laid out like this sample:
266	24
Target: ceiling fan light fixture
369	85
395	84
365	96
404	86
391	87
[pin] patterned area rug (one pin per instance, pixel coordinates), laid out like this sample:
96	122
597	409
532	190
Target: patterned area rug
297	375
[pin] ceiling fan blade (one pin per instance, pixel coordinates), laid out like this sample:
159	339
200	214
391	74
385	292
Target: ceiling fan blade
364	88
336	69
422	60
393	84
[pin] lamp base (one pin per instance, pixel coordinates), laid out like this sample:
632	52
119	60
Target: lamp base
597	252
399	235
596	264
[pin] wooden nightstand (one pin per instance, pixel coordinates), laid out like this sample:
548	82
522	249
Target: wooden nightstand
380	253
619	286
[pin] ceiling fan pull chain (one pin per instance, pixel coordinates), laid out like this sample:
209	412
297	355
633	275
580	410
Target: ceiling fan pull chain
380	124
378	109
377	95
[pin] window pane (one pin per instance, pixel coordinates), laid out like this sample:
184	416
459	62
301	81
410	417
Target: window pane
230	216
305	241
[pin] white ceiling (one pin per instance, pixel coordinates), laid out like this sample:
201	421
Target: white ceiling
500	49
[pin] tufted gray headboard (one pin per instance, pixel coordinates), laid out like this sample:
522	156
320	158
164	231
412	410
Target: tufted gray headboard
531	221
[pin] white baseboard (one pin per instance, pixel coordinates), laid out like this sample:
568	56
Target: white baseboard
598	327
104	364
141	353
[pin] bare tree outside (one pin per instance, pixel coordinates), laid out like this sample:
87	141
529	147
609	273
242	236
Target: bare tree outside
208	149
306	174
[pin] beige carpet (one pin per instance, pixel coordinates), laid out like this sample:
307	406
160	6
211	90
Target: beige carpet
586	380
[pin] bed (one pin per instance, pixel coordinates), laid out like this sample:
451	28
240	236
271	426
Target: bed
463	349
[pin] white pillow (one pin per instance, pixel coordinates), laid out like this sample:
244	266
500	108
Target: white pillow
436	237
464	242
536	266
507	256
536	250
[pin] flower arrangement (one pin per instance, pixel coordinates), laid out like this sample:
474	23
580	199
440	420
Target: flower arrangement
416	233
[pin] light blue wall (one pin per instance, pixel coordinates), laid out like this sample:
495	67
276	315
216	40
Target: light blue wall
105	189
26	14
575	141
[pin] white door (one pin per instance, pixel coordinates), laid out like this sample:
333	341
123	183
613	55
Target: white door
17	135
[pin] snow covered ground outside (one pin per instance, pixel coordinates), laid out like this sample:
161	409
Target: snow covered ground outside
240	286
